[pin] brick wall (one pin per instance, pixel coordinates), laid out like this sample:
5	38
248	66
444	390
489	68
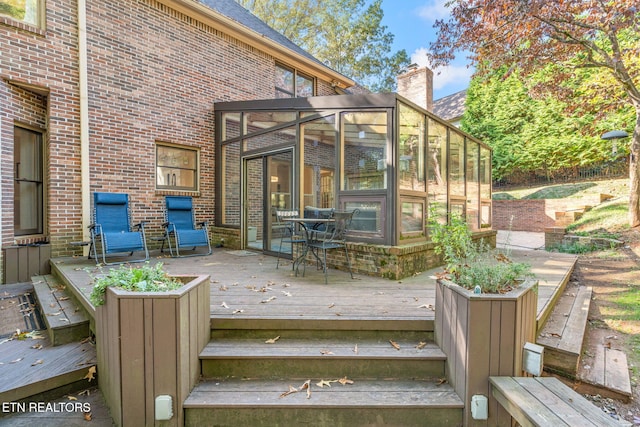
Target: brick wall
153	75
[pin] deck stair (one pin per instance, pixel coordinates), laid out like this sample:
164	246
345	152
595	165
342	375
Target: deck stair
563	336
546	401
64	316
245	377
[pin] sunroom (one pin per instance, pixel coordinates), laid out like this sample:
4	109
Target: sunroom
392	161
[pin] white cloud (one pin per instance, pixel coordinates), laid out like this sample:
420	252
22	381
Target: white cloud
434	9
443	76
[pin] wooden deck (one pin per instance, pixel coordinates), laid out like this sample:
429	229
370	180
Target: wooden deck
247	285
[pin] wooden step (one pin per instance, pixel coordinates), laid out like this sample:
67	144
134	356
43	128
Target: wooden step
605	373
65	318
545	401
261	403
28	370
563	333
254	358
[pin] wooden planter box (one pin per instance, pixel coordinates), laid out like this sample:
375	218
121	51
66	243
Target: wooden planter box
148	344
483	335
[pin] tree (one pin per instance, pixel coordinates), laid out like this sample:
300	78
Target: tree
530	34
346	35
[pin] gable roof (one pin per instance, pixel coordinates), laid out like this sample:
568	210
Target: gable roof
450	107
231	18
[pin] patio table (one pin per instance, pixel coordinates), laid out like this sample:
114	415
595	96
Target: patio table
310	228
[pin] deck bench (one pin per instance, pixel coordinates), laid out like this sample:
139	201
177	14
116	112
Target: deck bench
546	401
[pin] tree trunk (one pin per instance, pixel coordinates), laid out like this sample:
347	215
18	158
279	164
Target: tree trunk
634	175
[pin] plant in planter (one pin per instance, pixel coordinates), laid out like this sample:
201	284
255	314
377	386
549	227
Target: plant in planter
140	279
150	328
485	311
473	265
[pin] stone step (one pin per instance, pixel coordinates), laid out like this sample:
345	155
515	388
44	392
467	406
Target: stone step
263	403
300	358
563	333
65	318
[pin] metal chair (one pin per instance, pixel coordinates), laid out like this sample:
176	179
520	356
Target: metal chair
112	228
181	227
334	237
287	231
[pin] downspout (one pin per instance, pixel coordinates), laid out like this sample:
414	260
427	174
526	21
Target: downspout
84	122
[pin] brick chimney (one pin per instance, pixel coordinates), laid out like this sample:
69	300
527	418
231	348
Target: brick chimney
416	84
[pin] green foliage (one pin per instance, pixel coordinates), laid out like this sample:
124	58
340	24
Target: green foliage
528	133
141	279
13	11
471	265
575	247
347	35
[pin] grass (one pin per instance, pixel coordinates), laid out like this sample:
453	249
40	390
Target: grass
614	187
629	303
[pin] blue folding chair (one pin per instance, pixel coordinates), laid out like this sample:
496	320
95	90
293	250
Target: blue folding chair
181	229
112	230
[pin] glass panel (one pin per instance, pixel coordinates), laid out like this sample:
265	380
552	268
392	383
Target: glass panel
255	199
176	168
284	82
263	120
364	150
456	170
21	10
230	125
411	149
28	185
304	86
485	188
473	185
319	138
412	217
230	164
437	170
369	218
271	139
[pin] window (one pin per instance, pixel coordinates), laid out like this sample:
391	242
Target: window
177	168
28	195
364	149
291	84
28	11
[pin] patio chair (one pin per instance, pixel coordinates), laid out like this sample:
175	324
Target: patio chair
287	231
112	228
334	237
181	229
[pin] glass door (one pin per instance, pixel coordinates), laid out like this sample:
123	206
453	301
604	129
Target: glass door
269	186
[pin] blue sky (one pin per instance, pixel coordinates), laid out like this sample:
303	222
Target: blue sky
411	22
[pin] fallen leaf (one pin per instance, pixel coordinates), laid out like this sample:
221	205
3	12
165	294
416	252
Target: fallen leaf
286	294
87	416
63	298
323	383
394	344
37	346
554	334
429	306
72	398
442	381
224	305
306	386
223	288
326	352
345	380
332	305
237	311
292	390
355	349
17	360
91	373
272	340
264	301
37	362
63	319
86	392
421	345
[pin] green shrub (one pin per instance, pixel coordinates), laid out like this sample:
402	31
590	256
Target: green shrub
470	265
141	279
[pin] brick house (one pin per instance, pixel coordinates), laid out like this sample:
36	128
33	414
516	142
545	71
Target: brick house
103	96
